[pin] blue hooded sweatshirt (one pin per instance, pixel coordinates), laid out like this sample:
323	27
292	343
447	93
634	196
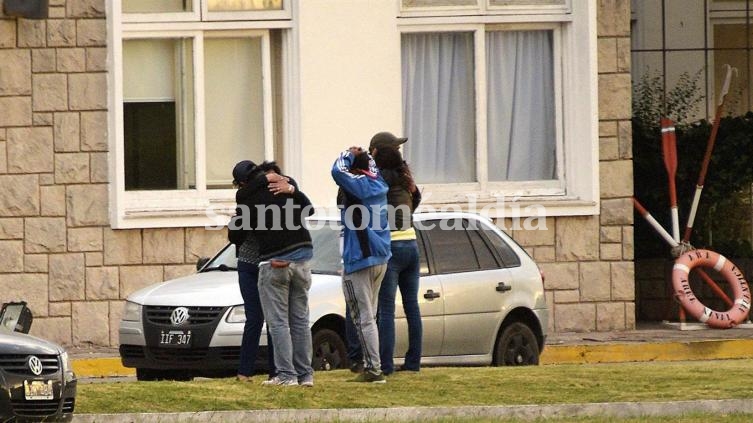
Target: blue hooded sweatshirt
366	234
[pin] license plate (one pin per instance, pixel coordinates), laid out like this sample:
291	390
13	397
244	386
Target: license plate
176	338
38	390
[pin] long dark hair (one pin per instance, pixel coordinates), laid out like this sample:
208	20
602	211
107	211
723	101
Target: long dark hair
395	169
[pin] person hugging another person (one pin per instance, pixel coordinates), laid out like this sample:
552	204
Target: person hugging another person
366	249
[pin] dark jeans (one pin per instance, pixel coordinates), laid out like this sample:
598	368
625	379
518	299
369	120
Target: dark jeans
248	279
402	272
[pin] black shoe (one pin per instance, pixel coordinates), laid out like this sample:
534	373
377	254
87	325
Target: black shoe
371	376
356	367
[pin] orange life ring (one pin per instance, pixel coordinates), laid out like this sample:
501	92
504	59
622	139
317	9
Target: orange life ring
705	258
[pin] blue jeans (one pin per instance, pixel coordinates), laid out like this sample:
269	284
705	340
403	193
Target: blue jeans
284	294
248	278
402	272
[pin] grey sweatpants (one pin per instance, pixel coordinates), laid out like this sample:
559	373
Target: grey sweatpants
361	290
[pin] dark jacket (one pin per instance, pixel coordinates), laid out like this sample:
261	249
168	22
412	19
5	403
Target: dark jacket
276	221
401	201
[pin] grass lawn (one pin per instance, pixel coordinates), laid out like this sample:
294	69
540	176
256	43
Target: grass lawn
551	384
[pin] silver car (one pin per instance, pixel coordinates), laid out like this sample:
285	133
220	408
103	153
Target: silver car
481	299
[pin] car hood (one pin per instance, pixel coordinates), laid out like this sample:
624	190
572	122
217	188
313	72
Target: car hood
21	343
201	289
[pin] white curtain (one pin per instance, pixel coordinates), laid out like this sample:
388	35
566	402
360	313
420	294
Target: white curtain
520	114
439	113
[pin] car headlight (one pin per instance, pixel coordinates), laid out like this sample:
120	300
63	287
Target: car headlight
237	315
68	374
132	312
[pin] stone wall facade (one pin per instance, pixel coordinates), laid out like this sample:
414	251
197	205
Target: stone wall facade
58	252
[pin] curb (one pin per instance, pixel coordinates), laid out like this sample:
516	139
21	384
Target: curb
525	412
552	354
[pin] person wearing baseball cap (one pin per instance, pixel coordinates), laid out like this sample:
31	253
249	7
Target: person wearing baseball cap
385	139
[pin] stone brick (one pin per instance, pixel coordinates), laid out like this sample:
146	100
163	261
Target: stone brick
43	60
91	32
11	228
550	301
46	179
32	33
201	242
607	55
87	205
623	281
7	33
85	239
568	296
611	234
50	92
96	59
544	254
67	277
85	8
617	212
133	278
178	271
71	168
45	235
42	119
88	91
102	283
608	129
94	131
611	252
116	312
122	246
16	111
623	54
15	72
36	263
609	148
90	323
11	256
30	150
56	12
610	317
60	309
94	259
536	236
98	165
71	60
67	132
54	329
61	33
613	18
626	139
629	316
3	156
628	243
19	195
29	287
560	275
575	317
52	198
615	93
163	245
577	238
595	281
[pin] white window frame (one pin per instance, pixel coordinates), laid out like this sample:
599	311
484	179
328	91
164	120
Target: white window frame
484	7
576	191
189	207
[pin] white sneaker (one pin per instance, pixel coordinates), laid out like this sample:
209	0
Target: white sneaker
308	382
276	381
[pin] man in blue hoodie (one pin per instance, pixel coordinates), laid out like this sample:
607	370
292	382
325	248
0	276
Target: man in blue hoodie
366	248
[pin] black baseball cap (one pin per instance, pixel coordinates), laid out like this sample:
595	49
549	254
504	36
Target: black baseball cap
385	139
242	170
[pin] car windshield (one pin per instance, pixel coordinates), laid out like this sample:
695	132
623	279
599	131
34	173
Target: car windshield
327	259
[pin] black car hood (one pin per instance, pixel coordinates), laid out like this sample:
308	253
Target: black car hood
19	343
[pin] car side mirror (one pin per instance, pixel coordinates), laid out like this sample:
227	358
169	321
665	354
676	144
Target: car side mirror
201	262
16	317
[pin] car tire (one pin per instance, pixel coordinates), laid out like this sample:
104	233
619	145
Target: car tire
516	346
149	375
329	350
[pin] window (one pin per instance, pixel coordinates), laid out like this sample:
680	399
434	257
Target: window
191	97
456	248
508	256
491	91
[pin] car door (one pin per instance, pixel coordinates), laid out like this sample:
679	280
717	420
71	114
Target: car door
474	284
431	303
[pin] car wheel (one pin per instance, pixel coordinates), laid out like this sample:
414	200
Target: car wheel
516	346
330	352
148	375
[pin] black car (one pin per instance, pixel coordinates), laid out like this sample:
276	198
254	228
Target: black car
37	382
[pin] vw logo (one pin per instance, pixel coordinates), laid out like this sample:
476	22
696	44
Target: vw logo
35	365
179	316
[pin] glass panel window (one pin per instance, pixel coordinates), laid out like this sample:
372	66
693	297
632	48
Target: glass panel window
439	106
526	2
158	114
156	6
521	136
485	256
234	105
243	5
438	3
451	247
